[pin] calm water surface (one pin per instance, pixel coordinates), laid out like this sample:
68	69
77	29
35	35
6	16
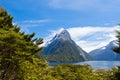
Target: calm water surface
94	64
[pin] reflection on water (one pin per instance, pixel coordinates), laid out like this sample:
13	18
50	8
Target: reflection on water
94	64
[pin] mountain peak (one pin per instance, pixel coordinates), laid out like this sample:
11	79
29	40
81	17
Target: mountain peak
62	34
112	44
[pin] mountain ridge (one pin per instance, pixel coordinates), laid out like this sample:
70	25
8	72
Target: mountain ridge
63	49
105	53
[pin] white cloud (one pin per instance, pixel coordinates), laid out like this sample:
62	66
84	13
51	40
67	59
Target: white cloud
79	32
32	23
90	38
26	24
35	21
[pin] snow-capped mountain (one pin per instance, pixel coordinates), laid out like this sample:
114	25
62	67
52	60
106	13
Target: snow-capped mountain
105	53
63	49
62	34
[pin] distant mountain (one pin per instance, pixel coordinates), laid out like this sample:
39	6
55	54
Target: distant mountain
105	53
63	49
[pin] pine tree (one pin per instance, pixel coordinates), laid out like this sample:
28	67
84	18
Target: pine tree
117	49
17	51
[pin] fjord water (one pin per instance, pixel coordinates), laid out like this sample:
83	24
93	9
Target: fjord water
94	64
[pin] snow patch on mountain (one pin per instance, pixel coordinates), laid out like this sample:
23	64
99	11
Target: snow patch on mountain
61	34
105	53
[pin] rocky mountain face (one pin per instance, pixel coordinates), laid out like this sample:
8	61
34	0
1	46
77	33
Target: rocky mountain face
63	49
105	53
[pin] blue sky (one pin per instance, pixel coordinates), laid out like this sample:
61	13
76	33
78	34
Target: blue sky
81	18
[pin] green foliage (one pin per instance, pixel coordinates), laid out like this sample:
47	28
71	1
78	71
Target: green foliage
5	20
116	73
41	56
17	51
117	49
85	72
73	72
32	71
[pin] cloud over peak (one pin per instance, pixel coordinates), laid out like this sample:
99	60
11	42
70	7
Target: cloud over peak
90	37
